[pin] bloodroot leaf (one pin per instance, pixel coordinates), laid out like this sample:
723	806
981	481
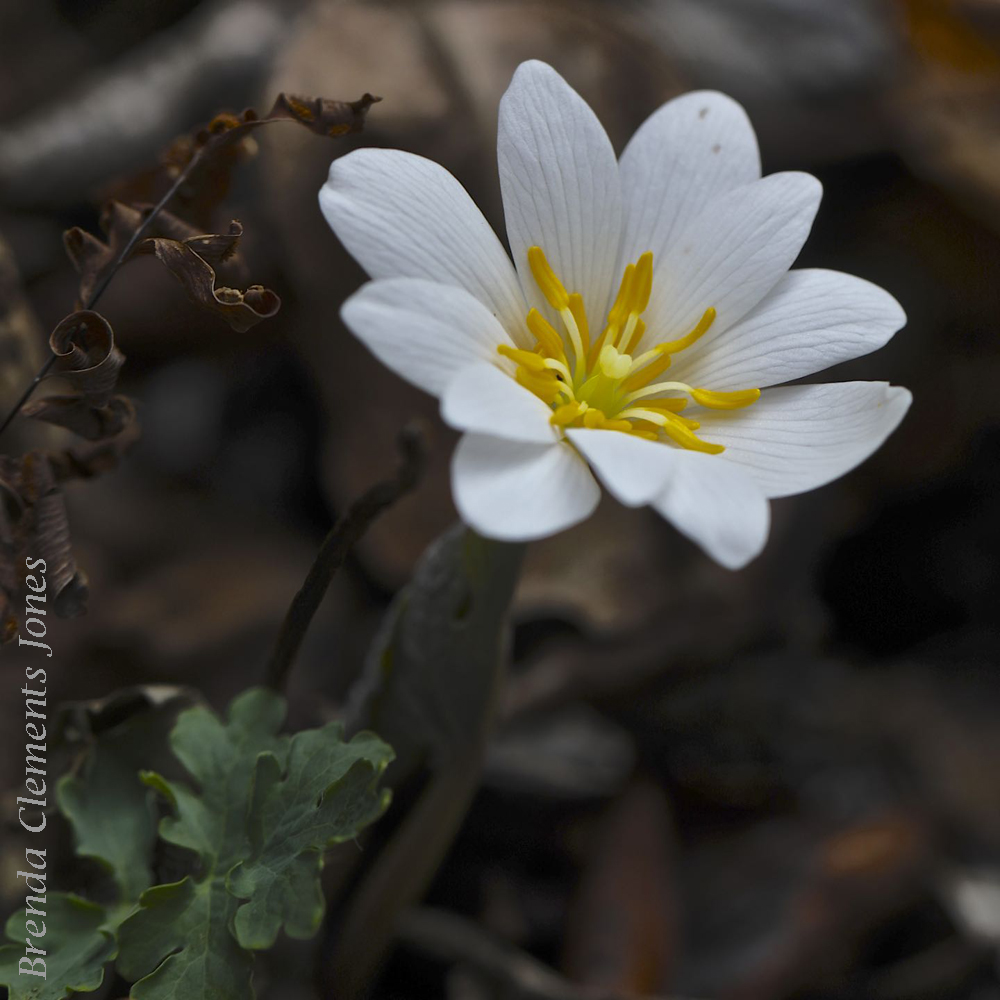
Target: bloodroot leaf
76	945
178	945
84	345
327	794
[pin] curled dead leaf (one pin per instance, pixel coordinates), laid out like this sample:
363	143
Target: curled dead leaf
318	114
95	423
190	262
84	345
45	527
94	258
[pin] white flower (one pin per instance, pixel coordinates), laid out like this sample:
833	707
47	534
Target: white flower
674	257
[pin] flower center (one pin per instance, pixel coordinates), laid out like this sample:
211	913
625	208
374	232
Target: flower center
599	383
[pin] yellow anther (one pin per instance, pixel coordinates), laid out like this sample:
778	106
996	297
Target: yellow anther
567	413
545	386
598	384
686	439
620	309
533	362
617	425
580	316
707	319
549	284
725	400
613	364
643	285
545	333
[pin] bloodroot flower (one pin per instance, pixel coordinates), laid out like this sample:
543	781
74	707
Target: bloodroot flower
648	305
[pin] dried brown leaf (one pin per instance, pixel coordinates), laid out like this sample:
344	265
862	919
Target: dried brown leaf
47	531
93	258
84	345
95	423
318	114
190	262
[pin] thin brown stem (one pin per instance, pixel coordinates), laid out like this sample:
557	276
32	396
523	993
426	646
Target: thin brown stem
337	544
109	274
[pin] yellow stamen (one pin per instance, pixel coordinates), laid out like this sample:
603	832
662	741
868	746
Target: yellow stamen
569	321
672	403
546	387
673	346
725	400
533	362
640	329
674	427
616	315
644	377
560	367
567	413
605	387
550	285
640	291
580	315
545	333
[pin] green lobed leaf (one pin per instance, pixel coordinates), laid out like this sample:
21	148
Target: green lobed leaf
262	811
76	944
327	794
111	812
178	944
221	757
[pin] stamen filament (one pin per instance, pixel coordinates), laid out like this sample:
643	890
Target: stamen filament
580	315
574	335
641	378
600	386
656	387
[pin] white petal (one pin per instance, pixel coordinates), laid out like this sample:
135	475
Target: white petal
485	400
812	319
559	179
423	331
732	254
718	506
517	492
403	216
796	438
693	149
634	471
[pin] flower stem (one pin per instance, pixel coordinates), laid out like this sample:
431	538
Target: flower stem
337	544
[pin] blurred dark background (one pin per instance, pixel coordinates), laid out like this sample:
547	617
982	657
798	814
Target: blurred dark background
778	783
